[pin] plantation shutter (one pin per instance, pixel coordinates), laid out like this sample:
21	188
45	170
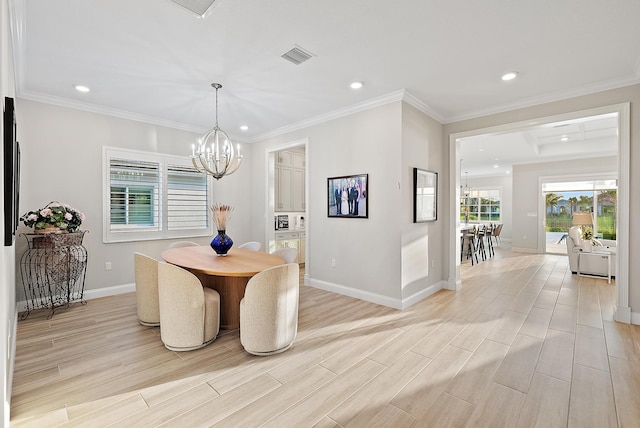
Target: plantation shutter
187	203
134	195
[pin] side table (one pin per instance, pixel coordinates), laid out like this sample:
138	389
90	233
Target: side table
598	254
53	270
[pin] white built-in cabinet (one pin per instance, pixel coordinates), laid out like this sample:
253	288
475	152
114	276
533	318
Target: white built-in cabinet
289	181
292	239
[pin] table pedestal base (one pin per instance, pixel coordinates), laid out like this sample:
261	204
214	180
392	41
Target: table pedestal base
231	290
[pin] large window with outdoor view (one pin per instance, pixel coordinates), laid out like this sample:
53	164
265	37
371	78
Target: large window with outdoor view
153	196
480	205
598	197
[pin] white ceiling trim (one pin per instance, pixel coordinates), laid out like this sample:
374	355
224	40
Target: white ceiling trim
336	114
412	100
543	99
64	102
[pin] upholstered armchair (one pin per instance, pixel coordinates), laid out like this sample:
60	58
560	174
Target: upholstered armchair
269	310
189	312
146	276
288	254
592	265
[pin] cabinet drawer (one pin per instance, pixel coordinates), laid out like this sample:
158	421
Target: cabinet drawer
286	235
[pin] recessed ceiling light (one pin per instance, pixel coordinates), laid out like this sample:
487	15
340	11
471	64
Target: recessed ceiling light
82	88
508	172
356	85
244	128
481	150
510	75
564	138
496	166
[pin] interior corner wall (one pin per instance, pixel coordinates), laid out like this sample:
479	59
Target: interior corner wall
62	161
628	94
526	182
367	251
8	315
423	260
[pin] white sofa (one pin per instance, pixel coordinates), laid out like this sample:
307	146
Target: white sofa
593	264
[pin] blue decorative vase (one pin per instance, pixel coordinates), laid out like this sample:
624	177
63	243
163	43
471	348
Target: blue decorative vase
221	243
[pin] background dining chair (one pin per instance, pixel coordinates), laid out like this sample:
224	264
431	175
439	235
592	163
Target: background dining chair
146	277
269	310
179	244
289	255
189	312
251	245
496	234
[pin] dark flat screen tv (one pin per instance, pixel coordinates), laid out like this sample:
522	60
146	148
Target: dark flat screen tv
11	172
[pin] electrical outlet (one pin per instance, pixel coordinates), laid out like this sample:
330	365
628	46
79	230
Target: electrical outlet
524	237
107	266
433	263
333	262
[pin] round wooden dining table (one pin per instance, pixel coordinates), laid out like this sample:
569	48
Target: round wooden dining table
228	275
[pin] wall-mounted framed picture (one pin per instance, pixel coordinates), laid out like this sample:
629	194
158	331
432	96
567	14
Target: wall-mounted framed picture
348	196
425	195
11	172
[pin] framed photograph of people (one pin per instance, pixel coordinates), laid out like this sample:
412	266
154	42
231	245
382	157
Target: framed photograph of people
425	195
348	196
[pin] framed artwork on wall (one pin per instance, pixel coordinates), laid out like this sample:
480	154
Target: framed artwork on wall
348	196
425	195
11	172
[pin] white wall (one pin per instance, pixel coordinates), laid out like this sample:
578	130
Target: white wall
8	317
526	185
630	94
422	255
62	160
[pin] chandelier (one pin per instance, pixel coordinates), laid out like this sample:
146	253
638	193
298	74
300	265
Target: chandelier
215	154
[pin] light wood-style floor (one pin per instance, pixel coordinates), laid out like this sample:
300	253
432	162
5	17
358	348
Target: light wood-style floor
524	343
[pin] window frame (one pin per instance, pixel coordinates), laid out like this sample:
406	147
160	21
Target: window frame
142	233
474	195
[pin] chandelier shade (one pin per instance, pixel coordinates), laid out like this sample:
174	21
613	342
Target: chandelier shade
215	154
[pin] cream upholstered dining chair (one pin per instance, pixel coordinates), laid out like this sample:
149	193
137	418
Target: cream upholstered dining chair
146	276
189	312
179	244
251	245
289	255
269	310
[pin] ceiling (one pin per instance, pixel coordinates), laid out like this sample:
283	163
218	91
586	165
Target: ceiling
153	60
495	154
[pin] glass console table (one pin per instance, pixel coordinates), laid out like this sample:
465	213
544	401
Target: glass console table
53	271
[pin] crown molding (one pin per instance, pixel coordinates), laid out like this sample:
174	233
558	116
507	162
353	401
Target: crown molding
336	114
544	99
122	114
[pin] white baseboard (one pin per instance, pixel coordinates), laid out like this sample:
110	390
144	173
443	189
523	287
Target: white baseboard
377	298
93	294
622	314
635	318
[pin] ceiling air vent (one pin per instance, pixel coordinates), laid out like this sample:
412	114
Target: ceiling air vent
199	7
297	55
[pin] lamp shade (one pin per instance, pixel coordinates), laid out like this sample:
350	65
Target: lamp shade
582	219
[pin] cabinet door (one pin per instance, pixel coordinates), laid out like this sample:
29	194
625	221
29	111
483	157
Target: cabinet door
284	178
298	160
302	250
284	158
298	190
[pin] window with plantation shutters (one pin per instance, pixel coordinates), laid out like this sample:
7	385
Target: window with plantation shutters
134	192
186	198
153	196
